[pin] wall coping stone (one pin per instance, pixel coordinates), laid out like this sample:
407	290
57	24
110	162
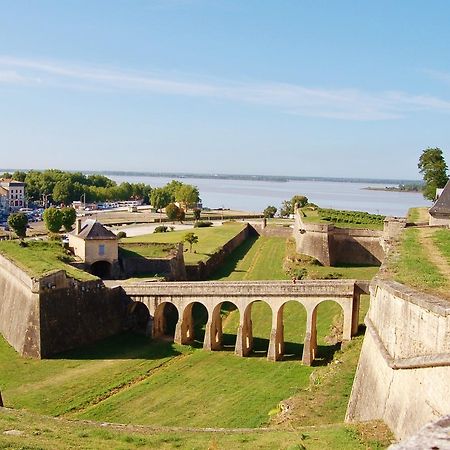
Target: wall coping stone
429	302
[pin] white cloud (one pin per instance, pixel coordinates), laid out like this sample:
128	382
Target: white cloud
345	103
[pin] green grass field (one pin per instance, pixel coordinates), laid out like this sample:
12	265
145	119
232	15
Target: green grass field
41	257
38	432
209	240
442	240
411	266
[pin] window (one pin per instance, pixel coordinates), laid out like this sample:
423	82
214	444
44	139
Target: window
101	249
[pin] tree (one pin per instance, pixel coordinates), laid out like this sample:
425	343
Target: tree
53	219
433	167
191	239
270	211
18	222
286	208
300	200
62	192
197	213
159	198
69	215
181	215
172	212
187	195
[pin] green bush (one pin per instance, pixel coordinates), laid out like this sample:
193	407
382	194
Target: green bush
121	235
203	224
161	229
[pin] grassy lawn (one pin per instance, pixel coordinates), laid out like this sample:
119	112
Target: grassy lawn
147	250
442	240
41	257
411	266
258	258
418	215
209	240
43	432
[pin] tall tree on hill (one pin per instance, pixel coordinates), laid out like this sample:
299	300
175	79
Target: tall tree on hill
18	222
433	167
53	219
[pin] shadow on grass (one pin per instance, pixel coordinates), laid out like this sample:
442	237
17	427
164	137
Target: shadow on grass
123	346
233	259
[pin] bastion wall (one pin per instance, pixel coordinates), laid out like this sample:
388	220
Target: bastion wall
404	368
56	313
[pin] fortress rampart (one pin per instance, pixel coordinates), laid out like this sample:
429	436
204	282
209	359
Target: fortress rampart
331	245
404	369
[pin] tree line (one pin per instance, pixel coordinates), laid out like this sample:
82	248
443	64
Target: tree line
61	187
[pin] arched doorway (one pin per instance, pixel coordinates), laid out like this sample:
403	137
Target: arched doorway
102	269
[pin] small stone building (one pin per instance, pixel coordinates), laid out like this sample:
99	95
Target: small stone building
96	246
439	213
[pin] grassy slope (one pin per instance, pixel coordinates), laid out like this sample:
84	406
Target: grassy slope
39	258
209	240
44	432
411	266
442	240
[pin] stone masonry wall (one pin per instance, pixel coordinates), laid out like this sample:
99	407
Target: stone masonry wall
331	245
203	270
172	267
404	368
19	309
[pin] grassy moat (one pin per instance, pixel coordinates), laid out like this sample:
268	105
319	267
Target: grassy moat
151	385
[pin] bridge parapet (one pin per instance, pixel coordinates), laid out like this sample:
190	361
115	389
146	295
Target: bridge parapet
304	288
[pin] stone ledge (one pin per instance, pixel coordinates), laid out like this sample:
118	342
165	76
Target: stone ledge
418	362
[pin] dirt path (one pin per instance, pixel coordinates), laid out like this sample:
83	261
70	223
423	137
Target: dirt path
432	251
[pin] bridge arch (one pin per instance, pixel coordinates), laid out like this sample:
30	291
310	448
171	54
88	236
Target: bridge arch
253	336
165	320
188	329
140	321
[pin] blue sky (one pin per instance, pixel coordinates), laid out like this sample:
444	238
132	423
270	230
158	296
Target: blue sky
307	88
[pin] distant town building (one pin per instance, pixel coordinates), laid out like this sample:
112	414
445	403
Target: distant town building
96	246
439	213
12	194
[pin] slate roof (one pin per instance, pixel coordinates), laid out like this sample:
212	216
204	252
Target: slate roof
442	204
91	229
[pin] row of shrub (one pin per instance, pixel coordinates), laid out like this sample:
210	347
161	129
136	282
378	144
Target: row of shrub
343	216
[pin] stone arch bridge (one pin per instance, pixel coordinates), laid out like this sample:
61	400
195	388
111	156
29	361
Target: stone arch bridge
183	295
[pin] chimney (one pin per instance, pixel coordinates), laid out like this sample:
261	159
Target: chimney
78	226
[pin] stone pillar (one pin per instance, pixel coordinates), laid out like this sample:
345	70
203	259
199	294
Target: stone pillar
244	338
158	322
276	343
310	345
213	331
348	320
355	312
184	331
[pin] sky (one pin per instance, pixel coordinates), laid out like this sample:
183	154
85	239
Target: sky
301	88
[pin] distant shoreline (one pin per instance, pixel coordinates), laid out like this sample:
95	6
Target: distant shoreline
391	189
237	177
